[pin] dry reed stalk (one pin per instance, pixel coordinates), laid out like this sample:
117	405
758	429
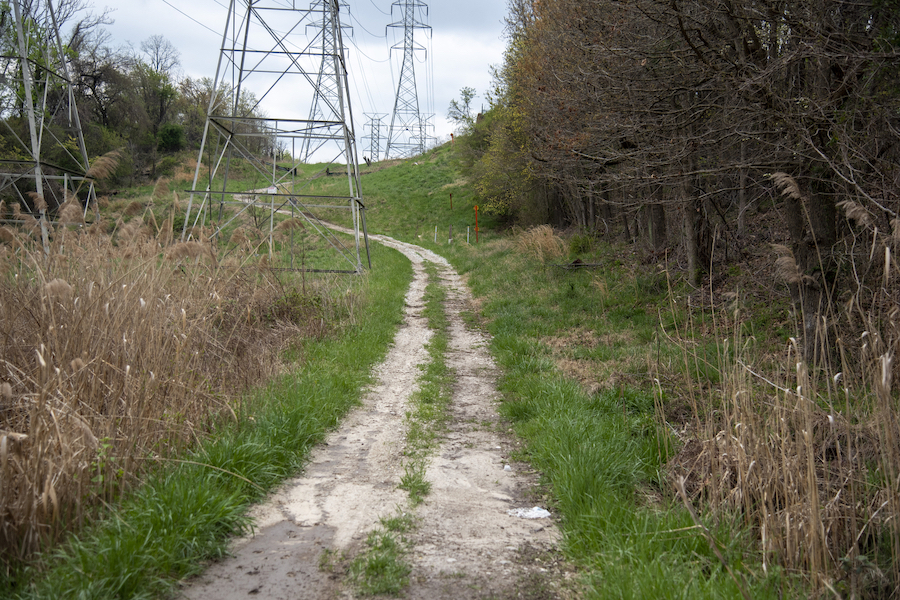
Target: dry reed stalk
103	361
166	235
789	458
786	265
856	212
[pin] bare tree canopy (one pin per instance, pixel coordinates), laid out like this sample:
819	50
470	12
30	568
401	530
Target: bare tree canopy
162	56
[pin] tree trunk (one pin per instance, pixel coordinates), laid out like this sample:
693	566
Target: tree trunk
657	223
811	224
742	190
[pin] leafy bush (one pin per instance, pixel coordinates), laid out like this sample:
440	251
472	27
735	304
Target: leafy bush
170	138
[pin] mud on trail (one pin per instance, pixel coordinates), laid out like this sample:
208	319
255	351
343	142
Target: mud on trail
464	543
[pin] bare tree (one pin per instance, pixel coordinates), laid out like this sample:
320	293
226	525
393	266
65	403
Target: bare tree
161	55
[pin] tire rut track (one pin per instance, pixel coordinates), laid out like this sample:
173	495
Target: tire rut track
465	544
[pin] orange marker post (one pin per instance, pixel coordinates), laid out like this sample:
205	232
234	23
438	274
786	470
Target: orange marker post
476	223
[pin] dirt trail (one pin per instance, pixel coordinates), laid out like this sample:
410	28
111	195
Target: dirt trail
465	544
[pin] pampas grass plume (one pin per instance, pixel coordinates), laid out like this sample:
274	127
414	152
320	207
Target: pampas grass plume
856	212
7	235
786	265
238	238
787	185
70	212
105	165
58	289
186	250
38	200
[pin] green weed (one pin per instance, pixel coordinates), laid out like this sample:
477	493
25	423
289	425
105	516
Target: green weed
381	568
414	482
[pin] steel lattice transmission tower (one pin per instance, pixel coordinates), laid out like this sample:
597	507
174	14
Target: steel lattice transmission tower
374	126
268	62
327	95
409	130
35	82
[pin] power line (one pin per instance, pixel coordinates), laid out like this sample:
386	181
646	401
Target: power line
357	21
352	43
379	10
190	17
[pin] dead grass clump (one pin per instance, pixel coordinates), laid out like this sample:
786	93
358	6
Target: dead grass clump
289	225
541	242
239	237
186	172
135	207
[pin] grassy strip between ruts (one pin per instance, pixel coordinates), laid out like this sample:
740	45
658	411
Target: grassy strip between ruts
381	568
186	511
602	453
428	410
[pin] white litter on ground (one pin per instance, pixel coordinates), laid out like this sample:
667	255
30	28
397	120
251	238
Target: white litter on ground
529	513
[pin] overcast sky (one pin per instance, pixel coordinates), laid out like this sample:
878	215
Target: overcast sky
466	38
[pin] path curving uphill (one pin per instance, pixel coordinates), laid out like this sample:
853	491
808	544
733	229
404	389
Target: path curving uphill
465	544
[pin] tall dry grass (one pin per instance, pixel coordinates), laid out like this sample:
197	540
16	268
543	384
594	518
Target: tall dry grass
809	455
116	351
541	242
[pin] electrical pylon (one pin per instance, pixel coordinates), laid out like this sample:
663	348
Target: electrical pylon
267	60
327	96
373	126
408	133
34	79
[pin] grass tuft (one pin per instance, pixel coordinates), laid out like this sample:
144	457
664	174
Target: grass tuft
381	568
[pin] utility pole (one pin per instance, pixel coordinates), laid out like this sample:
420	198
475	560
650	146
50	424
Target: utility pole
408	133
